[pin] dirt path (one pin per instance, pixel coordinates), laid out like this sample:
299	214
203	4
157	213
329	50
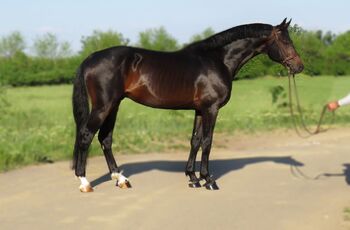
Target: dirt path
265	183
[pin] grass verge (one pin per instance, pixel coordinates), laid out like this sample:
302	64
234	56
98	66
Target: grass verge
36	123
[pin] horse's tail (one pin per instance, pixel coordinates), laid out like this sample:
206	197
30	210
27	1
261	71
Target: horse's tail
80	109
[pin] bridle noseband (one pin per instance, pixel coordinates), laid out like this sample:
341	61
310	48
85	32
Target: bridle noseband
274	38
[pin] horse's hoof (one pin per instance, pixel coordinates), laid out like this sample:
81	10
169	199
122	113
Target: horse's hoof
125	184
211	186
194	184
122	181
86	188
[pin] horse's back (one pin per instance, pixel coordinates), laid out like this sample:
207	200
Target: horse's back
172	80
162	79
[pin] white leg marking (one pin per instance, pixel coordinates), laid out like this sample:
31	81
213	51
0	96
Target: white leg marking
120	178
84	181
85	185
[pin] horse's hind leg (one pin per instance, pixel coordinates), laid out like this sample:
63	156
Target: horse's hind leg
105	138
195	145
86	134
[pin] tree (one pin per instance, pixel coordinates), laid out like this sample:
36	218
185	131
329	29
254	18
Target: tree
203	35
328	38
338	55
65	49
101	40
311	48
48	46
157	39
12	44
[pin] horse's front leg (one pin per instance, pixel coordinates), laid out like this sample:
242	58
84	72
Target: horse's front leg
195	145
208	124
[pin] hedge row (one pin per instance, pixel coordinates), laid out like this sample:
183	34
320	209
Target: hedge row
21	70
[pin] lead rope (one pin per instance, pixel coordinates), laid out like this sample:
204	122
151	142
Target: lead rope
294	169
301	113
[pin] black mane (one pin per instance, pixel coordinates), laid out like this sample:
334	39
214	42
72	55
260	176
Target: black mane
239	32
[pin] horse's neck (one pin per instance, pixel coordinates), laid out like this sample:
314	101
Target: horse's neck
239	52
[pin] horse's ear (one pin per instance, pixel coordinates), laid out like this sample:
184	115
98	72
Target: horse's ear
284	24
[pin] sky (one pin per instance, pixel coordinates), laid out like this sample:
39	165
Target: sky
72	19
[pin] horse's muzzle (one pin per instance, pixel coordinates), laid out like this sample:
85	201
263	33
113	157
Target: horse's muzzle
296	69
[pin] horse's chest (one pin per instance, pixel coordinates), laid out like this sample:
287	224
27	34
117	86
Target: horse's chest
211	90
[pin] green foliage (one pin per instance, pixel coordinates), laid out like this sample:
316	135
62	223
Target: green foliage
48	46
157	39
24	70
338	55
53	63
38	125
12	44
346	213
101	40
322	53
254	68
279	96
4	104
203	35
311	49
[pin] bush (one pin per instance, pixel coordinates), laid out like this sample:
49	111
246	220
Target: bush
322	54
23	70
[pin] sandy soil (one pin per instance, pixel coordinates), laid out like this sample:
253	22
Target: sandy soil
267	181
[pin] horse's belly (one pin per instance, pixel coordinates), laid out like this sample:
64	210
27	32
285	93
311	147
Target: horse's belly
169	100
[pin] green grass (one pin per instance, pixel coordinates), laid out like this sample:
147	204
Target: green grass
346	213
37	125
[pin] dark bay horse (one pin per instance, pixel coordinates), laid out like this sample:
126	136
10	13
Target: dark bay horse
197	77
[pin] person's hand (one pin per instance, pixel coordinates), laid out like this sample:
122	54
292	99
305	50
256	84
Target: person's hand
333	105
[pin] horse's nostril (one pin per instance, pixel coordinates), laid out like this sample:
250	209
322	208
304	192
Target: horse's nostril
301	67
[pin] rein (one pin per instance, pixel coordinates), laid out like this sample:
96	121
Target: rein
292	86
274	38
301	114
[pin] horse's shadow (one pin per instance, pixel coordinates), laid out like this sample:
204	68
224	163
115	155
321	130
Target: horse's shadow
218	167
345	174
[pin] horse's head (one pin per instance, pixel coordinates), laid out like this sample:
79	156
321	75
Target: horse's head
280	48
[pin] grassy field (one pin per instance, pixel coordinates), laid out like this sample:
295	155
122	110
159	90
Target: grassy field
37	123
